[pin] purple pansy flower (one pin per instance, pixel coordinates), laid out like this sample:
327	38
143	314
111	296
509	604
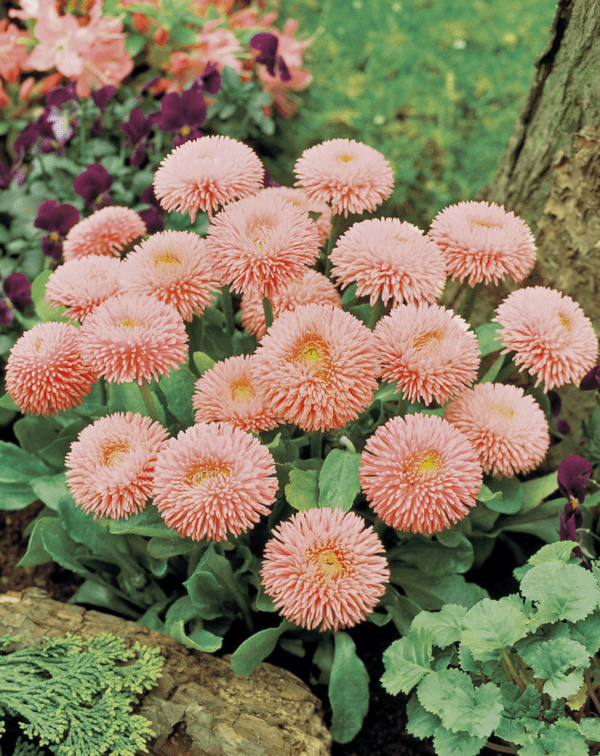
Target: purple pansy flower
58	220
6	313
210	79
137	130
7	174
93	185
591	381
101	97
152	216
17	290
57	96
573	474
267	44
183	114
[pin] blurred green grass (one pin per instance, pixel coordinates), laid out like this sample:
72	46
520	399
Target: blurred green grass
435	85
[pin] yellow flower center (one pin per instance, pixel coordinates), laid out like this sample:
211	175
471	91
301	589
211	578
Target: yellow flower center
424	342
185	130
114	451
503	409
131	324
425	464
312	352
345	158
329	561
564	320
242	391
54	236
259	236
485	224
167	258
207	472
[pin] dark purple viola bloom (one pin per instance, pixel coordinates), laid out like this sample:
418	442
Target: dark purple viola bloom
210	79
138	127
268	181
267	44
149	197
57	96
591	381
573	474
93	185
103	95
562	426
26	139
18	289
7	174
153	219
183	114
58	220
567	531
6	313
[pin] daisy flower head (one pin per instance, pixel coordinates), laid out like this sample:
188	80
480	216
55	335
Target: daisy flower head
204	173
507	429
260	243
310	287
300	199
175	267
389	260
323	569
106	232
213	479
82	284
317	367
131	337
551	336
420	473
226	392
46	371
349	175
428	351
110	467
483	242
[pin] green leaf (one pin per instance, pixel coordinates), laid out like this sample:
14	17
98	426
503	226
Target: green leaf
126	397
202	640
134	44
207	595
42	308
421	723
451	696
587	632
490	626
538	489
444	626
302	492
562	591
563	737
590	728
7	403
433	592
348	690
338	480
36	553
552	661
486	494
50	489
148	522
512	497
164	548
256	649
407	661
36	433
486	338
448	743
178	389
18	466
433	557
202	362
14	496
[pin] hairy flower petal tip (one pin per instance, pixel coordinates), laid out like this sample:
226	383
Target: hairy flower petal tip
551	336
46	371
131	337
506	428
323	569
213	479
389	260
349	175
420	473
429	352
207	172
226	392
110	468
106	232
82	284
317	367
483	242
261	243
175	267
311	287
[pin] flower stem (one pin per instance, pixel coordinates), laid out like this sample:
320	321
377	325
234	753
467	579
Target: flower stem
402	406
590	689
500	748
315	444
268	310
227	307
376	313
102	389
338	224
469	301
513	672
148	401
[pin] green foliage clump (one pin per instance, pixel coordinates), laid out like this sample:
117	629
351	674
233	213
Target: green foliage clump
523	669
76	696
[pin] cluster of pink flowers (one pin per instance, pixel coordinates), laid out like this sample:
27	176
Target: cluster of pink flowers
316	366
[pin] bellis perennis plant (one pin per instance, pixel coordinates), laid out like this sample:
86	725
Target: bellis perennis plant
234	439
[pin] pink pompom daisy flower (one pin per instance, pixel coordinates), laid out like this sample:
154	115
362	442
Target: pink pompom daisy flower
507	429
483	242
352	176
260	243
551	336
317	367
106	232
207	172
420	473
428	351
300	199
175	267
389	260
131	337
226	392
111	465
312	287
323	569
82	284
214	479
46	371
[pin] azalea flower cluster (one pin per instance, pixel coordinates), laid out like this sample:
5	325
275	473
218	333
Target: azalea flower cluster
95	49
317	366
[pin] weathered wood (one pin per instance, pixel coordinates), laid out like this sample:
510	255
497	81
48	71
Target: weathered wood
200	703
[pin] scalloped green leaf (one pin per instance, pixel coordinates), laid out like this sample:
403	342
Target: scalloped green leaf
445	626
407	660
561	591
490	626
560	663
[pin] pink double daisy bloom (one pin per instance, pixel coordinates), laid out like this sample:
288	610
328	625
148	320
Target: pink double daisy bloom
106	232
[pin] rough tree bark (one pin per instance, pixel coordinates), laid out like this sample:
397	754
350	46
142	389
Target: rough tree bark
200	706
550	172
